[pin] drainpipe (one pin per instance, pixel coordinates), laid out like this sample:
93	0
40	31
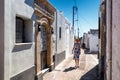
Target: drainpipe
105	32
35	39
111	40
56	34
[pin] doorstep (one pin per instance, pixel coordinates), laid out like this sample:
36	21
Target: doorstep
41	74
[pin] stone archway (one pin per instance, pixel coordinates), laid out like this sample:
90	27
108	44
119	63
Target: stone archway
43	44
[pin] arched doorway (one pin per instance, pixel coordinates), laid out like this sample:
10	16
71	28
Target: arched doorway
43	44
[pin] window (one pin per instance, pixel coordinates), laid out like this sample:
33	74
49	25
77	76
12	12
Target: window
19	30
59	32
23	30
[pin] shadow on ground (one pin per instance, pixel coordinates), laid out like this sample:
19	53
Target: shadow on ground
69	69
91	75
87	51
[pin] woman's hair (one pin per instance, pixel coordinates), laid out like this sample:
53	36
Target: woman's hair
77	40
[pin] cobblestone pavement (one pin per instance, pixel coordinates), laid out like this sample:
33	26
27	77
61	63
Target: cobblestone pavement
66	70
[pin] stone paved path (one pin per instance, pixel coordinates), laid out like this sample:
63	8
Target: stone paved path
66	71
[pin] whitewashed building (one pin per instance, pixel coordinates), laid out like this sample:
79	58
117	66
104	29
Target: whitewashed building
63	37
109	21
69	38
17	45
93	40
85	40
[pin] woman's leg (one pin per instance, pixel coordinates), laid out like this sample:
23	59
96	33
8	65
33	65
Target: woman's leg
77	62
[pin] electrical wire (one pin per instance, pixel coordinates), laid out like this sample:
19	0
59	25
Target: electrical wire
86	21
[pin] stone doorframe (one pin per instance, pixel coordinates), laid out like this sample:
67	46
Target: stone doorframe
46	23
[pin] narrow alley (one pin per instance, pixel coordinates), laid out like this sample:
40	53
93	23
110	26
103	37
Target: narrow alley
66	71
38	37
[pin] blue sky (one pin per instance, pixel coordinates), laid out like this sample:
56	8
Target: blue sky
87	12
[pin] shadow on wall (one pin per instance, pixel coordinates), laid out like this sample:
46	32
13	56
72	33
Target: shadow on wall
91	75
21	47
31	4
87	51
25	75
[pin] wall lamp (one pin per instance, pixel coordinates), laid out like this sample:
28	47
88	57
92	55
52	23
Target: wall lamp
39	27
52	31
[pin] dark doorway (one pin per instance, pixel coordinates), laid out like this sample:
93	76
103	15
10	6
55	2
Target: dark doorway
43	48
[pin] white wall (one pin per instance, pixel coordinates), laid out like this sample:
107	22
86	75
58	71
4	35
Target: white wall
62	47
67	39
71	40
61	43
86	40
67	36
18	57
93	41
115	39
108	38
